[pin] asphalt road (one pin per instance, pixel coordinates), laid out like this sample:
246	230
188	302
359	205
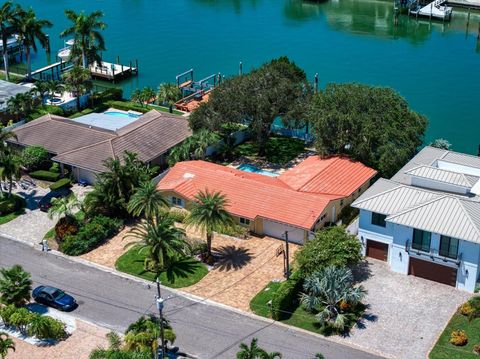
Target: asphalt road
204	330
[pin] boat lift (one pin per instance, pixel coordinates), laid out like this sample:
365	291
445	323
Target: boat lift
194	92
436	9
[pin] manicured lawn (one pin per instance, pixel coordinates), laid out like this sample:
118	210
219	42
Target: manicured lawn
299	318
444	350
279	150
185	272
10	217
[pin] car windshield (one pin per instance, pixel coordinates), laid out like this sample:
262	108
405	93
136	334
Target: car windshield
58	294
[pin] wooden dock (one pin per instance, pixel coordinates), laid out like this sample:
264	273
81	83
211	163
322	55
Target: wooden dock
111	71
52	72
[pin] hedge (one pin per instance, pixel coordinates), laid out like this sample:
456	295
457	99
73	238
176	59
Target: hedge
45	175
283	301
34	157
64	182
128	105
11	204
90	235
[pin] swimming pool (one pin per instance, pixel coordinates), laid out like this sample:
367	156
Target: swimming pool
254	169
121	114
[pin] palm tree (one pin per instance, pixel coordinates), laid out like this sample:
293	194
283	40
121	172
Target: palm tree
327	291
15	285
20	105
147	201
42	89
168	93
136	96
88	40
143	335
10	168
202	140
162	241
208	214
4	136
8	16
53	87
255	352
30	30
63	206
6	344
78	81
148	95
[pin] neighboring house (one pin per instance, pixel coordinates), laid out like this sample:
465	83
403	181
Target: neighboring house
425	220
298	201
83	144
8	90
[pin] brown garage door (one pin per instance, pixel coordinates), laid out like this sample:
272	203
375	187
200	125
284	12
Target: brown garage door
432	271
377	250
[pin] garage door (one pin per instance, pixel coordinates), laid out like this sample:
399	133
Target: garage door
432	271
377	250
277	230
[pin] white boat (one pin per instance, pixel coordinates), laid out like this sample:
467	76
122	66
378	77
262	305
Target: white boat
64	53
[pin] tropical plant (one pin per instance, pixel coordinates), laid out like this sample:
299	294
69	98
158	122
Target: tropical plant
63	208
441	143
79	82
194	147
30	30
86	32
9	168
41	88
143	96
208	214
253	351
330	247
20	105
4	136
8	18
147	201
34	157
6	313
21	319
162	241
330	291
168	93
6	344
143	335
15	285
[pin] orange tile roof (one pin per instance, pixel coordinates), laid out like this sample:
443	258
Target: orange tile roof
250	195
335	175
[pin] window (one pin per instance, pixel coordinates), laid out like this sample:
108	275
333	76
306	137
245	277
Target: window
244	221
421	240
448	247
379	219
177	201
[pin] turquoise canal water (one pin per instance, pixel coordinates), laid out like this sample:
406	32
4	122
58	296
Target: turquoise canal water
435	66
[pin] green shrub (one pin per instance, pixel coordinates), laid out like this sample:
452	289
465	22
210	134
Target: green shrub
127	106
285	298
55	167
44	327
90	235
44	110
177	214
11	204
6	313
111	94
45	175
348	214
21	318
34	157
61	183
236	231
330	247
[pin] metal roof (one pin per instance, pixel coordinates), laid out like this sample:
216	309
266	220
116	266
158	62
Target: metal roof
447	215
443	175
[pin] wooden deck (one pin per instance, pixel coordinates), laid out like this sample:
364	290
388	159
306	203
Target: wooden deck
190	103
110	71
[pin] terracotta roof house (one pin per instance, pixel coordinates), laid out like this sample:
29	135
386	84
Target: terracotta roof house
299	201
425	220
84	147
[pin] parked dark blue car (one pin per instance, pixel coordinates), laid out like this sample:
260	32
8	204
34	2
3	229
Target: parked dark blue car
54	297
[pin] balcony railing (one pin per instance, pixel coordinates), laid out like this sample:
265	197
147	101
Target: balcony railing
433	254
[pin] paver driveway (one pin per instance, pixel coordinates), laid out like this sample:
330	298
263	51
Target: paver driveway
406	313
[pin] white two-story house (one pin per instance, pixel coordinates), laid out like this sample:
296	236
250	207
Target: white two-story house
425	220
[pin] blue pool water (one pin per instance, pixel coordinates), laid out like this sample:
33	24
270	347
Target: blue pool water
121	114
254	169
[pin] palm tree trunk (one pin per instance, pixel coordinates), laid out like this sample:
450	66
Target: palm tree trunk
209	244
84	59
5	57
29	63
77	100
10	187
170	108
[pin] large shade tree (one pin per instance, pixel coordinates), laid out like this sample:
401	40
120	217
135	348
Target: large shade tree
30	29
278	88
88	39
8	18
208	214
371	124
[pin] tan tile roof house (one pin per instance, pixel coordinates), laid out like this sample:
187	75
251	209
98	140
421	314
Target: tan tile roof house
85	148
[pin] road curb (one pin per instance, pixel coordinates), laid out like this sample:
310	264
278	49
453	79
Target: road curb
196	299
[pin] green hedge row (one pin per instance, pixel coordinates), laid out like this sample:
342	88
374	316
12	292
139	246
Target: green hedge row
63	182
283	301
45	175
90	235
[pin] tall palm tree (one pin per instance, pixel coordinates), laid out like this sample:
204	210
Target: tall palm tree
42	89
148	95
255	352
208	213
162	241
168	93
326	290
147	201
15	285
10	168
20	105
30	30
145	336
78	81
53	87
8	17
88	40
6	344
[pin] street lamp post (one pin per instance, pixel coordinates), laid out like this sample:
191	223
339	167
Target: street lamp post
160	312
